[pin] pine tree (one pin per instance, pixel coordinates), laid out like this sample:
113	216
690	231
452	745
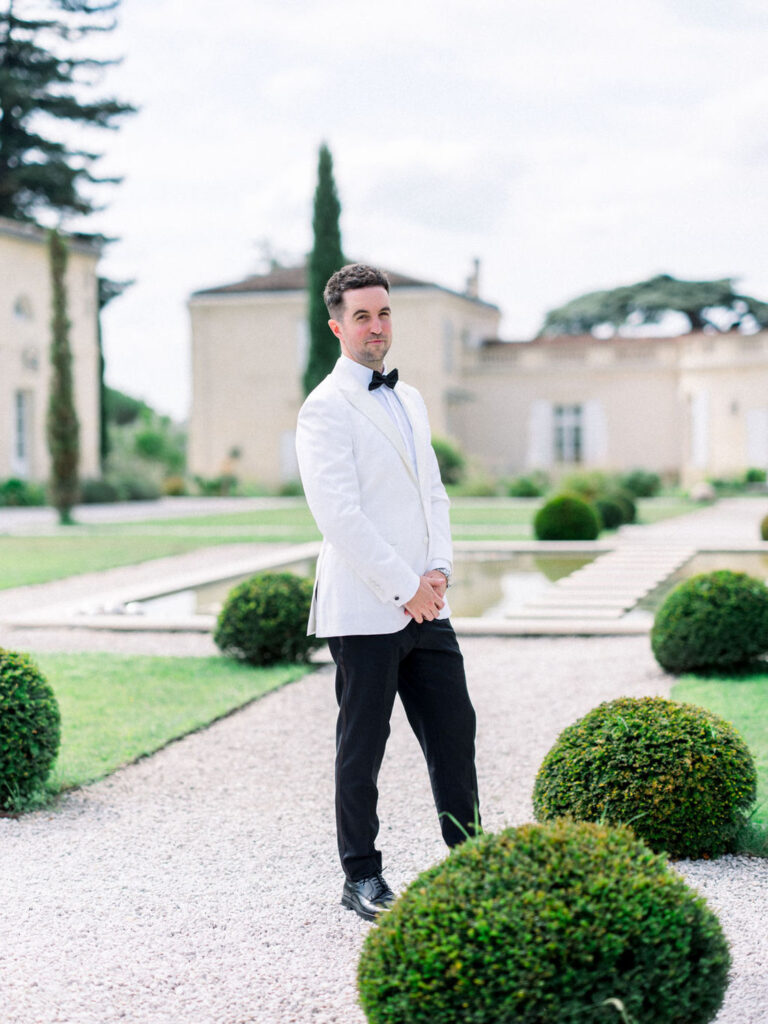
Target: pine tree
648	301
43	86
325	259
62	423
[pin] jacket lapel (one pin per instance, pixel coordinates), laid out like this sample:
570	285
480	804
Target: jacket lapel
420	439
378	416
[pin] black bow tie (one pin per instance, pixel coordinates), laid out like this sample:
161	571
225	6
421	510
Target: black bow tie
390	379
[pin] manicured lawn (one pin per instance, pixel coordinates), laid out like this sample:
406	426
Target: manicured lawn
744	703
116	708
79	549
25	560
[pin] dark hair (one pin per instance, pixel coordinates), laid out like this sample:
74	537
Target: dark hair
354	275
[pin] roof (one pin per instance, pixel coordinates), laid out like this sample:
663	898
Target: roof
294	279
90	244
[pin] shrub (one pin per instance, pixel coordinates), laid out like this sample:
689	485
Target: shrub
291	489
135	486
531	485
714	621
30	728
174	486
642	483
755	476
543	924
264	620
450	460
97	491
586	483
626	500
764	528
566	517
217	486
477	486
611	513
21	492
680	775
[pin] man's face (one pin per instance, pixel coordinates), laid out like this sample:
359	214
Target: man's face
365	325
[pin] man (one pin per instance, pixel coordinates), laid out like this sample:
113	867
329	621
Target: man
373	485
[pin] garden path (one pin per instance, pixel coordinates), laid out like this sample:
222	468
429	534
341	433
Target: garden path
202	884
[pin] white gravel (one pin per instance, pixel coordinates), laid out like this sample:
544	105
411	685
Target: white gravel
202	886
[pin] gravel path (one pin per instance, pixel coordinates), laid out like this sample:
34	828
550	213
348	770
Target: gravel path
201	885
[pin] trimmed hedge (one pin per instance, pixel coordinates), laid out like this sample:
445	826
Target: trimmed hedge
566	517
642	483
264	620
764	528
544	924
712	622
680	775
30	728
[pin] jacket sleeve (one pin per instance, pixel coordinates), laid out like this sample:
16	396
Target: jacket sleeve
326	457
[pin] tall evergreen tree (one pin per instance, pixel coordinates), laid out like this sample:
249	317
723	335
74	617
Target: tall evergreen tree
62	423
42	86
108	290
325	259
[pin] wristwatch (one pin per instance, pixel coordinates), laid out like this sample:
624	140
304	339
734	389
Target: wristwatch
446	573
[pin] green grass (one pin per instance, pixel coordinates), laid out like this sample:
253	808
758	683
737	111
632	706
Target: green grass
68	551
25	560
117	708
743	702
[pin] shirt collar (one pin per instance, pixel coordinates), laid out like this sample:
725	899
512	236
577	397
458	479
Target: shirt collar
360	374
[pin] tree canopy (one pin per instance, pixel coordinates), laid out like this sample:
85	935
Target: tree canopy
46	85
325	259
707	304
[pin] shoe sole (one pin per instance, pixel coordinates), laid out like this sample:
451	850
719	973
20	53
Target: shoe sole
350	904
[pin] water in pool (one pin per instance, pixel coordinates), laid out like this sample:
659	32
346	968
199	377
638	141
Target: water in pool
485	586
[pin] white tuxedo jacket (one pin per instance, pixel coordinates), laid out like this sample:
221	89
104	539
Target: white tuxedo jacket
383	525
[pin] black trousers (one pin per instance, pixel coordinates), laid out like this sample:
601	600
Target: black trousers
423	663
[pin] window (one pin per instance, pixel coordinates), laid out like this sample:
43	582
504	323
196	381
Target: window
22	308
569	430
22	401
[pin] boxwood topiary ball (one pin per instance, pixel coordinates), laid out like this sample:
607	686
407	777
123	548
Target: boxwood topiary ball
714	621
611	513
566	517
30	727
680	775
542	925
264	619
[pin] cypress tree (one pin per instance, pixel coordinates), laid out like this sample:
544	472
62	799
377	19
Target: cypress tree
43	83
62	424
107	291
325	259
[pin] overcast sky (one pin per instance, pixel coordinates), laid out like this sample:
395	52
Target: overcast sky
569	146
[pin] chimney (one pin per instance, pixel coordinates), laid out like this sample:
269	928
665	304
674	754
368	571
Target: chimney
472	287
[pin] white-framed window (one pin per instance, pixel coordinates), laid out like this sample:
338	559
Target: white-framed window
22	421
569	433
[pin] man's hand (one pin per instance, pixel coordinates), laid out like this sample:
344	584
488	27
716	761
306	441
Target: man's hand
437	580
426	603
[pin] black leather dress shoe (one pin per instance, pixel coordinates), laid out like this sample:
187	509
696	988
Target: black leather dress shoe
368	897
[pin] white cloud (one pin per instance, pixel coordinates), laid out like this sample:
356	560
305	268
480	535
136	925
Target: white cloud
570	146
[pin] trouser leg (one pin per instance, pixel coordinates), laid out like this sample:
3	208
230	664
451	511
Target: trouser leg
433	689
366	685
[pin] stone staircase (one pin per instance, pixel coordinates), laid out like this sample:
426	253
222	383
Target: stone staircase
608	587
